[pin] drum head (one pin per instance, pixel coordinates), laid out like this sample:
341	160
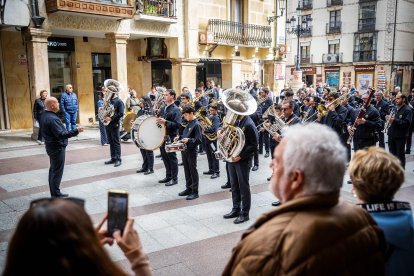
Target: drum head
148	135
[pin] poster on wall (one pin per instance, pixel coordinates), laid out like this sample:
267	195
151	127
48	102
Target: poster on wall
381	79
364	81
346	79
279	72
318	79
332	79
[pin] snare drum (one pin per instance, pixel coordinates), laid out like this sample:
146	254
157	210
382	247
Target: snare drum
173	147
147	133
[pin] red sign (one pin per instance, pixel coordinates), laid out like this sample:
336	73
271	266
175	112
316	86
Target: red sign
365	68
305	71
332	69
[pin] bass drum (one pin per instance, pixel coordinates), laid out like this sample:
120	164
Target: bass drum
147	133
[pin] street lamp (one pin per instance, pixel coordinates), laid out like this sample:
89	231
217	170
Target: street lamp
281	5
298	26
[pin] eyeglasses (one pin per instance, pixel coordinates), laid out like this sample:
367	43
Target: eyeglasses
43	200
284	109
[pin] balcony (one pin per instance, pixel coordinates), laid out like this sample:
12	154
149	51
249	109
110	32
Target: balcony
365	1
331	3
307	5
111	8
239	34
332	58
360	56
366	25
307	31
156	10
333	27
305	59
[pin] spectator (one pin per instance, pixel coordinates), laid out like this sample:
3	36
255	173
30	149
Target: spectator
38	110
312	232
56	237
375	187
132	102
69	107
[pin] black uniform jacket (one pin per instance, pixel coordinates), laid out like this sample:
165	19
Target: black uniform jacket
54	132
383	108
172	115
215	124
372	124
251	137
401	124
193	132
336	119
119	112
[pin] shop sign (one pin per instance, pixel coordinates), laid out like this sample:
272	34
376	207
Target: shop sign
318	78
365	68
332	69
346	78
381	79
205	38
61	44
305	71
279	72
22	59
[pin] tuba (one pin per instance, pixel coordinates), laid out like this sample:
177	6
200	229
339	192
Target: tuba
232	140
112	87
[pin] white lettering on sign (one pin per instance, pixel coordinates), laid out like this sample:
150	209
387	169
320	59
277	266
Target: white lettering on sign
57	44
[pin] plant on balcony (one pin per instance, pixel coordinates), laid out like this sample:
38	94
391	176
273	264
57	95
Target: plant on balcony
150	10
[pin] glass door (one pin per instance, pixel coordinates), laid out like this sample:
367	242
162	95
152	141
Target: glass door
101	70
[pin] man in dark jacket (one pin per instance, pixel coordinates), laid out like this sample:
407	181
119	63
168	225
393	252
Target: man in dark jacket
38	109
56	140
69	106
383	108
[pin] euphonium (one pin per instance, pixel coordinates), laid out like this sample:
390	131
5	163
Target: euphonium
232	140
276	127
108	110
205	123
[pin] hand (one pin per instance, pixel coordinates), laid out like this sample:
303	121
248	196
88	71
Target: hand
185	140
277	137
102	233
129	240
161	120
107	119
219	134
350	130
361	121
80	128
261	129
176	138
331	107
235	159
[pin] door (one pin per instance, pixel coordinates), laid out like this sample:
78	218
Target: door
101	70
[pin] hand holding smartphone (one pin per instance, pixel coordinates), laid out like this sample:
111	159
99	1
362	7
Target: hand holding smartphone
117	211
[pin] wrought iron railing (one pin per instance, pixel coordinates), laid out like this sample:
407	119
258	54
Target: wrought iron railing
333	27
307	4
164	8
304	59
365	55
235	33
332	58
365	1
306	31
366	25
330	3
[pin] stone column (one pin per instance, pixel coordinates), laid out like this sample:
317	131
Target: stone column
231	73
184	74
118	43
276	85
36	40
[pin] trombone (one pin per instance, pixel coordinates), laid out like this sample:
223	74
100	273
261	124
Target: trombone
323	109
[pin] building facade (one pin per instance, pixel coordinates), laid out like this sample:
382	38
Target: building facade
353	42
47	44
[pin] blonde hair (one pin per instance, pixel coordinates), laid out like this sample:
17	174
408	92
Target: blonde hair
376	175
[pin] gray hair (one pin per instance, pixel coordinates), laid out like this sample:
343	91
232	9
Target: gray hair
317	152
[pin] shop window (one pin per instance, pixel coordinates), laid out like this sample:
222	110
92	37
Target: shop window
398	80
60	72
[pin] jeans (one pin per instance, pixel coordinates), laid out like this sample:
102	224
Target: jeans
70	120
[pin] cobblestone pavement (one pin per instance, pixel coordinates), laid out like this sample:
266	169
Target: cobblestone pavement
181	237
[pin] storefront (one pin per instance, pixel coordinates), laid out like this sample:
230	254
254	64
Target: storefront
364	77
208	69
308	75
332	77
161	73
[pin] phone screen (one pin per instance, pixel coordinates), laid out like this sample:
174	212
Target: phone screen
117	211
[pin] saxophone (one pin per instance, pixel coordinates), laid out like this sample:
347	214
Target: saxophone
232	139
112	87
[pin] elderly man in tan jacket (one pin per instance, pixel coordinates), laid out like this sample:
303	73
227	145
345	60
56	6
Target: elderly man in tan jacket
313	232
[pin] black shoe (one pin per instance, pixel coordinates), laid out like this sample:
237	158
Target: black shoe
158	156
208	172
240	219
110	162
201	153
186	192
226	186
349	182
255	168
260	152
148	172
62	196
215	175
181	164
408	152
268	179
267	154
171	182
117	163
165	180
141	170
192	196
232	214
276	203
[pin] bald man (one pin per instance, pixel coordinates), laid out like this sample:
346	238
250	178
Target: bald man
56	140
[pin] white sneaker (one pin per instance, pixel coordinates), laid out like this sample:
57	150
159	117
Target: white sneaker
40	142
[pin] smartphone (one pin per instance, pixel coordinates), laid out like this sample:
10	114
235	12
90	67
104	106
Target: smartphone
117	211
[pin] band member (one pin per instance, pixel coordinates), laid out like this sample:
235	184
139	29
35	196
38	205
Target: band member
239	171
410	131
199	100
256	121
147	155
399	127
264	135
289	97
383	108
211	146
345	135
169	116
336	116
192	138
112	129
367	126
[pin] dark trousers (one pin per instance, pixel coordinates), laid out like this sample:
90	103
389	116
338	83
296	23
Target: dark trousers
114	143
190	170
227	172
57	164
344	139
381	139
102	131
256	158
170	163
148	158
240	188
363	143
409	137
263	138
201	146
213	162
397	147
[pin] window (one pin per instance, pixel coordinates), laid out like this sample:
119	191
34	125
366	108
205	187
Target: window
236	10
59	72
333	48
367	13
365	47
334	16
304	51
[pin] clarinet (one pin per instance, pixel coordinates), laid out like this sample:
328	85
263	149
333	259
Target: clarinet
388	122
361	114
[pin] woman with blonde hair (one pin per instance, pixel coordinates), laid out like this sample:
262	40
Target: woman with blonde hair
376	176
